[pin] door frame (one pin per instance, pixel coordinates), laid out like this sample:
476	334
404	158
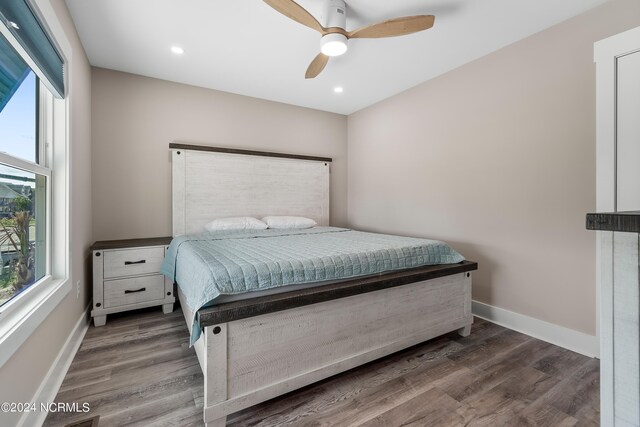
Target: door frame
606	55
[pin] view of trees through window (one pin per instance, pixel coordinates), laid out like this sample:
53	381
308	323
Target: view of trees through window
22	194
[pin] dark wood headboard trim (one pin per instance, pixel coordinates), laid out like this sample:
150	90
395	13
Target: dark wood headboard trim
176	145
284	301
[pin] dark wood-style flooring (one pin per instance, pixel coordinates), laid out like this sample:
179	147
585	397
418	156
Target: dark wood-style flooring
138	371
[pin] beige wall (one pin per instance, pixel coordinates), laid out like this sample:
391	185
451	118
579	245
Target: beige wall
498	158
21	376
135	118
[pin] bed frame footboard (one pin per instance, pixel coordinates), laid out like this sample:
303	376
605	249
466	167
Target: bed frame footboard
254	359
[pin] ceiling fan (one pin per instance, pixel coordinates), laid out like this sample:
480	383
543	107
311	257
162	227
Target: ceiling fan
335	36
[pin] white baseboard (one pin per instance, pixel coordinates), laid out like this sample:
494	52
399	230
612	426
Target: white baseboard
53	380
559	335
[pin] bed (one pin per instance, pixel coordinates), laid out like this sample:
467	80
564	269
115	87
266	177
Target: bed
255	341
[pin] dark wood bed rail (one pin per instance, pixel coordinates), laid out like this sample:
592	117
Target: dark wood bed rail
181	146
237	310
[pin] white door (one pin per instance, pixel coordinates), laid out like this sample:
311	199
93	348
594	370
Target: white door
618	189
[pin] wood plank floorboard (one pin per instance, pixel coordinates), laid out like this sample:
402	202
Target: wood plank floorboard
138	370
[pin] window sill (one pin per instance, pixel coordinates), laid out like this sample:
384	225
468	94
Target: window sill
20	321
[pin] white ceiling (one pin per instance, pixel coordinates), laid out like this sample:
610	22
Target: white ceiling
245	47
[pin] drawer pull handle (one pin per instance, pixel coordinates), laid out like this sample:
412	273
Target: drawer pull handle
129	291
142	261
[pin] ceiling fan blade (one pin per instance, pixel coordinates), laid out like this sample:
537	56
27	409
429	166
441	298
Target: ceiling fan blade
394	27
294	11
316	66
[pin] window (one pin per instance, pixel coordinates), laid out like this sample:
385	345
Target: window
24	177
34	172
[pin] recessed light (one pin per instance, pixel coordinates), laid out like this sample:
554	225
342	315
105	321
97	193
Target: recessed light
338	89
177	50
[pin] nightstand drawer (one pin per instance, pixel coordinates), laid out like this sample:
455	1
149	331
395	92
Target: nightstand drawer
131	262
133	290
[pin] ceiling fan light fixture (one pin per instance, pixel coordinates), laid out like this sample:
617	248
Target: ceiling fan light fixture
334	44
333	29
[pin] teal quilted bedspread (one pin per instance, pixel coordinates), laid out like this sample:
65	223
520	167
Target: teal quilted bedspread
211	264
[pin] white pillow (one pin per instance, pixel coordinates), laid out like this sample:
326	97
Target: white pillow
288	222
236	223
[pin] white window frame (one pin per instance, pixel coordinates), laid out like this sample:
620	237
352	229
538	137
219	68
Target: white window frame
21	316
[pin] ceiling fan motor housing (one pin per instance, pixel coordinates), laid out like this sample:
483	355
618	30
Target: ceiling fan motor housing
334	44
335	14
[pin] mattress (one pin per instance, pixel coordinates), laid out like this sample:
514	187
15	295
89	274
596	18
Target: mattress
214	265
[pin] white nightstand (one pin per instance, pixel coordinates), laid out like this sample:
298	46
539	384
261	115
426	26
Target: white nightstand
126	276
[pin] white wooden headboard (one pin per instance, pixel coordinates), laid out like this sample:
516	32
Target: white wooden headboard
211	182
